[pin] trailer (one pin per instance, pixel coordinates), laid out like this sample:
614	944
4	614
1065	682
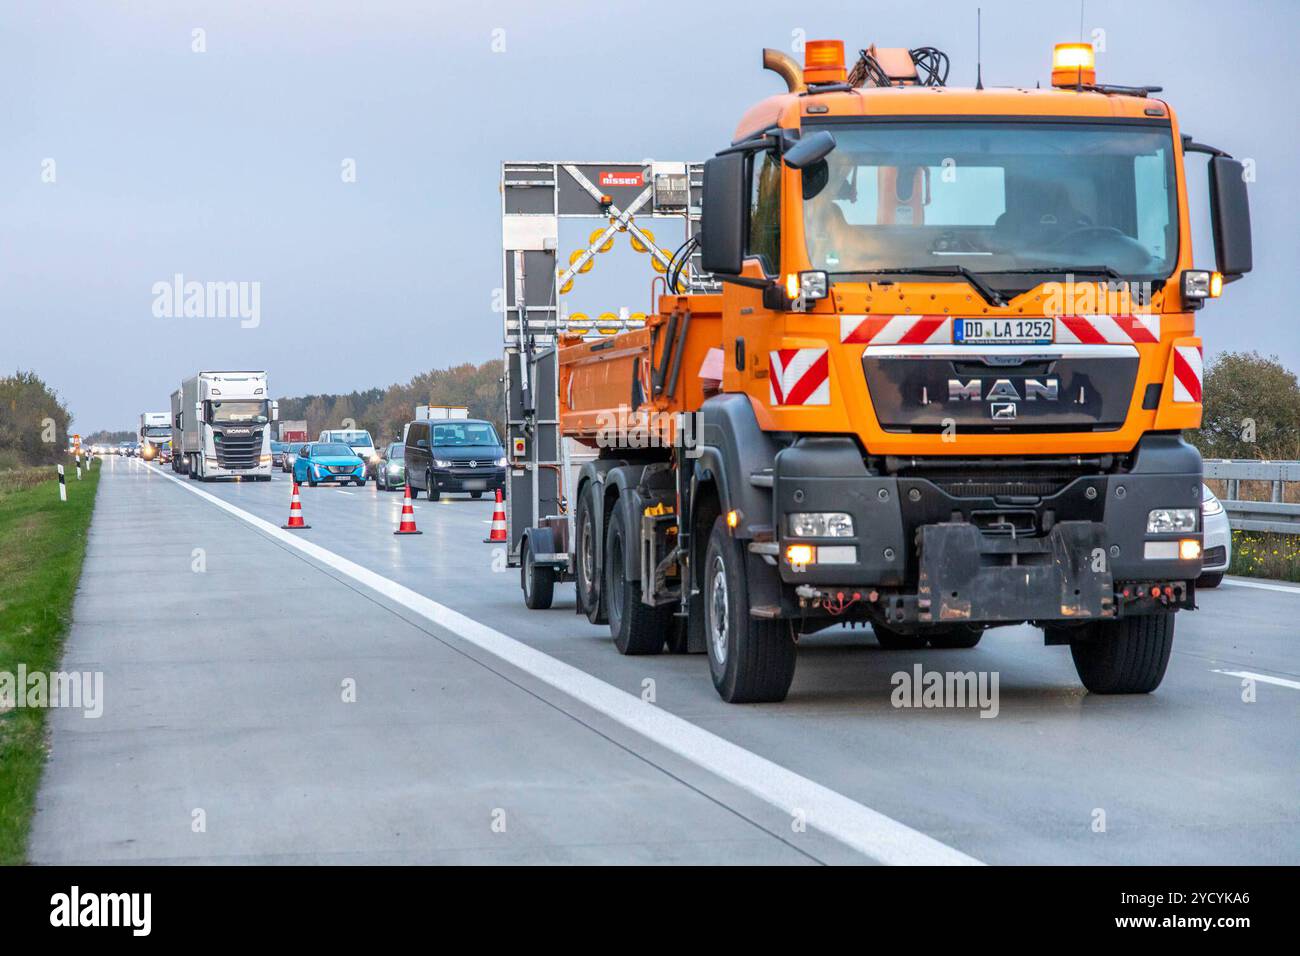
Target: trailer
924	368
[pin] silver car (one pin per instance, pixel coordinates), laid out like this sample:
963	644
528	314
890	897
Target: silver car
1218	540
289	453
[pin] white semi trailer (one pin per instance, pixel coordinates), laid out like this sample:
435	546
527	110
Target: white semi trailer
224	422
154	435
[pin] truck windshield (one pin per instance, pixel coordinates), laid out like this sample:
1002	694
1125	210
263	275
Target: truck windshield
994	197
158	431
221	412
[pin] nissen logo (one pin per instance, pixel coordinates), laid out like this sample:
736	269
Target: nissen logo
621	179
103	909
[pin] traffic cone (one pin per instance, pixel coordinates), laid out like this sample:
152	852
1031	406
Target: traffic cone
407	525
295	512
498	532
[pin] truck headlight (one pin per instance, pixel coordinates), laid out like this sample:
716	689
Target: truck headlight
820	524
1200	284
1171	520
500	462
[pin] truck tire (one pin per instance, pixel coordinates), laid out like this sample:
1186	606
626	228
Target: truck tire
586	573
1211	579
476	495
537	581
1128	656
955	637
637	627
751	661
892	640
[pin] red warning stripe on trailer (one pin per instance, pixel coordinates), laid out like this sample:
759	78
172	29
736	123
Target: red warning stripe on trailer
1188	373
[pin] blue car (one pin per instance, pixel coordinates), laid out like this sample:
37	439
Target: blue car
328	461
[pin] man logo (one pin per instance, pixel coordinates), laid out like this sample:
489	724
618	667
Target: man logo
1003	390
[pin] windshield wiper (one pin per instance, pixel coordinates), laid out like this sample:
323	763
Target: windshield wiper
1107	271
989	294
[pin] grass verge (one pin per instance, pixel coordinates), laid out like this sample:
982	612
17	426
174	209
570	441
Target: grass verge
1260	554
42	543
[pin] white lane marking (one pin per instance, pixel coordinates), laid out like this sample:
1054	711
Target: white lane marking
1262	678
342	492
1262	585
868	831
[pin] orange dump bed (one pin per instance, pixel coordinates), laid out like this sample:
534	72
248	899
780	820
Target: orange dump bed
623	390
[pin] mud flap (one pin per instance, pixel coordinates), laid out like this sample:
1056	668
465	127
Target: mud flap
966	575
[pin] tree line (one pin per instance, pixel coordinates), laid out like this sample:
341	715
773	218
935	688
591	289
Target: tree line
383	411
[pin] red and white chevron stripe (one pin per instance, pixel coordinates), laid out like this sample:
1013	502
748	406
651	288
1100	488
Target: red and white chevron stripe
1107	329
937	329
896	329
799	377
1188	373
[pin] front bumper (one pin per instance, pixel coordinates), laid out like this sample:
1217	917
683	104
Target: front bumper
1218	543
939	550
321	475
470	479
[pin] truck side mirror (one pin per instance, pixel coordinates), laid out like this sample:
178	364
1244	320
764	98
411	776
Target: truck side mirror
198	412
725	214
275	411
810	150
1230	217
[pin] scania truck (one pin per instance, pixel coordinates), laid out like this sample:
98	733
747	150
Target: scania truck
224	423
941	388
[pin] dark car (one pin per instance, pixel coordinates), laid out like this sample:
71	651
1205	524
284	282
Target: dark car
390	470
461	455
288	454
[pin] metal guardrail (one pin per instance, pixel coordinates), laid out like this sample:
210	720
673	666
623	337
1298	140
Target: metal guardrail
1276	515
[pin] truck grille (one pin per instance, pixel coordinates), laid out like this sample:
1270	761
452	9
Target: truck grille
239	451
986	486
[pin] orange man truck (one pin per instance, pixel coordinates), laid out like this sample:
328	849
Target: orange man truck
940	387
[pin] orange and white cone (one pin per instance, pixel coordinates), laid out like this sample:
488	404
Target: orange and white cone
498	532
407	525
295	512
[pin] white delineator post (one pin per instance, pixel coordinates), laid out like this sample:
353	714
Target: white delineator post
63	487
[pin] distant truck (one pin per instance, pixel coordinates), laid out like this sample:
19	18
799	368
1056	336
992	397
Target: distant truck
223	423
436	413
292	431
423	412
154	436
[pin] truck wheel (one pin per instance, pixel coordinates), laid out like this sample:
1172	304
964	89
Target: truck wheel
1211	579
751	661
586	551
637	627
476	495
537	581
892	640
955	637
1128	656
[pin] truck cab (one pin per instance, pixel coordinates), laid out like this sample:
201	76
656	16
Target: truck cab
957	349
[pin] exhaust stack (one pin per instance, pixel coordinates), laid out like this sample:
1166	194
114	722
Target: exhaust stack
784	66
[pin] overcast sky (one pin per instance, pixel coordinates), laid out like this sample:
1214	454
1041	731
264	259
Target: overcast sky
228	164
